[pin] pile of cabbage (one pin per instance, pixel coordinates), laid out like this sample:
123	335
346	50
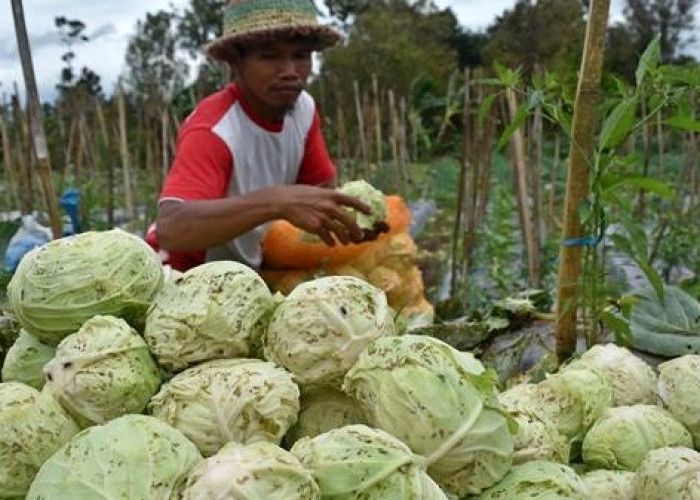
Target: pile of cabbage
134	383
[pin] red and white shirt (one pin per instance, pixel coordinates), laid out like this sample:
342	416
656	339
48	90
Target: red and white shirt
225	150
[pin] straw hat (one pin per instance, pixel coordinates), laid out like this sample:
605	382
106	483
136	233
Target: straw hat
254	21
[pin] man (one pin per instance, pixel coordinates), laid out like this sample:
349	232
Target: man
254	151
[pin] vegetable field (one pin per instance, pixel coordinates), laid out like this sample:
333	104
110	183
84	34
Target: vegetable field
527	327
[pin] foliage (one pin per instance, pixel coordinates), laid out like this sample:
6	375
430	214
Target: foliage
155	70
546	35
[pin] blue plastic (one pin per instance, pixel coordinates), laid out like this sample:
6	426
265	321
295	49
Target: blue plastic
70	202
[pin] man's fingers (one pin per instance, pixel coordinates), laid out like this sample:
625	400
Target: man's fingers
348	223
336	227
382	227
353	202
326	236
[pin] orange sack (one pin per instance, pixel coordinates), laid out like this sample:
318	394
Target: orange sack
288	247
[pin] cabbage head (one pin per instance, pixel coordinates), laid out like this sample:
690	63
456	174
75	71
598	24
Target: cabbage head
371	197
103	371
439	401
358	462
241	400
679	389
258	471
59	286
134	457
575	398
323	325
669	474
541	481
537	437
610	484
624	435
25	361
633	380
33	426
213	311
321	411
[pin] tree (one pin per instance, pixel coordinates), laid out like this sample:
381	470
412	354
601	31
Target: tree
87	83
396	43
547	34
199	24
155	70
671	19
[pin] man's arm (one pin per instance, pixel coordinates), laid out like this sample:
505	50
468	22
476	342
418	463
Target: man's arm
194	225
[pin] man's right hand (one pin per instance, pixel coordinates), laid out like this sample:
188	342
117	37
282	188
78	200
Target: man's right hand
320	211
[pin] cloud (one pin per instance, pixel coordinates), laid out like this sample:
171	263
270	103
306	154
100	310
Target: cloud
103	31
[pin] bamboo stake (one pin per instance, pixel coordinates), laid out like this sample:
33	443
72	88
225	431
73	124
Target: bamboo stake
165	126
36	120
25	194
403	148
10	188
536	183
553	178
124	151
107	145
522	191
661	143
394	141
583	137
646	154
377	119
361	129
462	190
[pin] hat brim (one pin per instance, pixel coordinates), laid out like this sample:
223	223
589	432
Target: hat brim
224	48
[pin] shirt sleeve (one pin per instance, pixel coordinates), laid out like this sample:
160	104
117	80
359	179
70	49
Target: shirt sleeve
201	169
316	166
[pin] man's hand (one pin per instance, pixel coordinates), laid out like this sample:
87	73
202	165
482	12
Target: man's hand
320	211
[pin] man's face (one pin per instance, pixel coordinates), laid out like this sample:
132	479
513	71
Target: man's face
273	75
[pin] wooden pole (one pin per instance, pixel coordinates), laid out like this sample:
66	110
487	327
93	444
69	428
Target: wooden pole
36	120
377	119
536	186
361	129
522	192
124	152
10	185
583	131
107	149
394	141
458	234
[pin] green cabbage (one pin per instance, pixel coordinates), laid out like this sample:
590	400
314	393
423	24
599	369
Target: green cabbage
624	435
357	462
134	457
213	311
323	325
59	286
610	484
633	380
575	398
321	411
33	426
25	361
372	197
439	401
539	481
103	371
241	400
258	471
669	474
679	389
537	437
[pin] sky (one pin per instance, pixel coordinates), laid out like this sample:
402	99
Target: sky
110	24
